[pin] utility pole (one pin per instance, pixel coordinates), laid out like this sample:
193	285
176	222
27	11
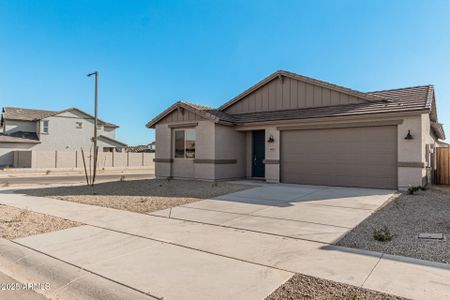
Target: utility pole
95	125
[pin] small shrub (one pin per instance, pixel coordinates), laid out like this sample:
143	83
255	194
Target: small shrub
423	188
382	234
413	189
122	178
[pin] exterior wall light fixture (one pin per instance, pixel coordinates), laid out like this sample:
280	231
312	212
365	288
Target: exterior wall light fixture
409	136
270	140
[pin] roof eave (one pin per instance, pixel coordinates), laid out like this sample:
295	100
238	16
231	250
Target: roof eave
341	116
183	105
113	140
438	130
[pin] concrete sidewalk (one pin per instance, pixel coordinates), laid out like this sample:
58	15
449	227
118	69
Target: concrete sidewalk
158	268
57	279
404	277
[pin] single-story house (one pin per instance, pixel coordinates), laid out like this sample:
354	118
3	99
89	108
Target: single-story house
294	129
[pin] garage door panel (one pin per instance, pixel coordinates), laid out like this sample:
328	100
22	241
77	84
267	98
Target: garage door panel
365	157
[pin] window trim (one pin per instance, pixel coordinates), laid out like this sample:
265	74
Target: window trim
44	126
174	141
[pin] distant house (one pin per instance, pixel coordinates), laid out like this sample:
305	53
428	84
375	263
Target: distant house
149	148
152	146
43	130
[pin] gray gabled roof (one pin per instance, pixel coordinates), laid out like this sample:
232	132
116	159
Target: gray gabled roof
410	99
27	114
203	111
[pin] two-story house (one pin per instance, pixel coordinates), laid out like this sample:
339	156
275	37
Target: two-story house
42	130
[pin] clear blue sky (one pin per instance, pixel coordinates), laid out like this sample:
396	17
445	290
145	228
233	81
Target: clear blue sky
153	53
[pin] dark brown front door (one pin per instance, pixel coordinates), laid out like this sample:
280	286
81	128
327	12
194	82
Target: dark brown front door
258	168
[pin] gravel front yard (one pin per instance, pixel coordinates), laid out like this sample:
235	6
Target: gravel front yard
406	217
16	223
140	196
307	287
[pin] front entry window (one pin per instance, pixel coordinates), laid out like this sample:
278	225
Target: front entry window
185	143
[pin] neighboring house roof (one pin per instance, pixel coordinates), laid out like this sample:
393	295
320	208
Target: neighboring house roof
20	137
418	98
139	148
26	114
111	141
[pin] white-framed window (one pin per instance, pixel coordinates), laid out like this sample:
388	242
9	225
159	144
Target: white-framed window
184	143
45	126
79	125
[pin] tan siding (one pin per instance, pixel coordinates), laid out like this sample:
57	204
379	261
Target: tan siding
290	94
177	116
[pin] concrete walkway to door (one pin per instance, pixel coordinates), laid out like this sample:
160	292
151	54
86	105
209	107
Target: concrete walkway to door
207	255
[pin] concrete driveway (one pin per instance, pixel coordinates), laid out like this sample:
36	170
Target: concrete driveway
256	240
315	213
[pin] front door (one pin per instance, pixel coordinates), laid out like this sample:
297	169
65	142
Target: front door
258	169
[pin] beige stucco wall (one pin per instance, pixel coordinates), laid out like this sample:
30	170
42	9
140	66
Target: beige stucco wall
205	147
272	154
213	143
163	150
216	142
414	151
230	145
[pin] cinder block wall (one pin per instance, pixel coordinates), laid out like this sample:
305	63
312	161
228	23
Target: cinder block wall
74	159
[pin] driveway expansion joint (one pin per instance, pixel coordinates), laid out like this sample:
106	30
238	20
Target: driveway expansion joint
242	229
246	215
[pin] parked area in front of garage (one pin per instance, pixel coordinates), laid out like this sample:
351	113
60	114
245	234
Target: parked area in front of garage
317	213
